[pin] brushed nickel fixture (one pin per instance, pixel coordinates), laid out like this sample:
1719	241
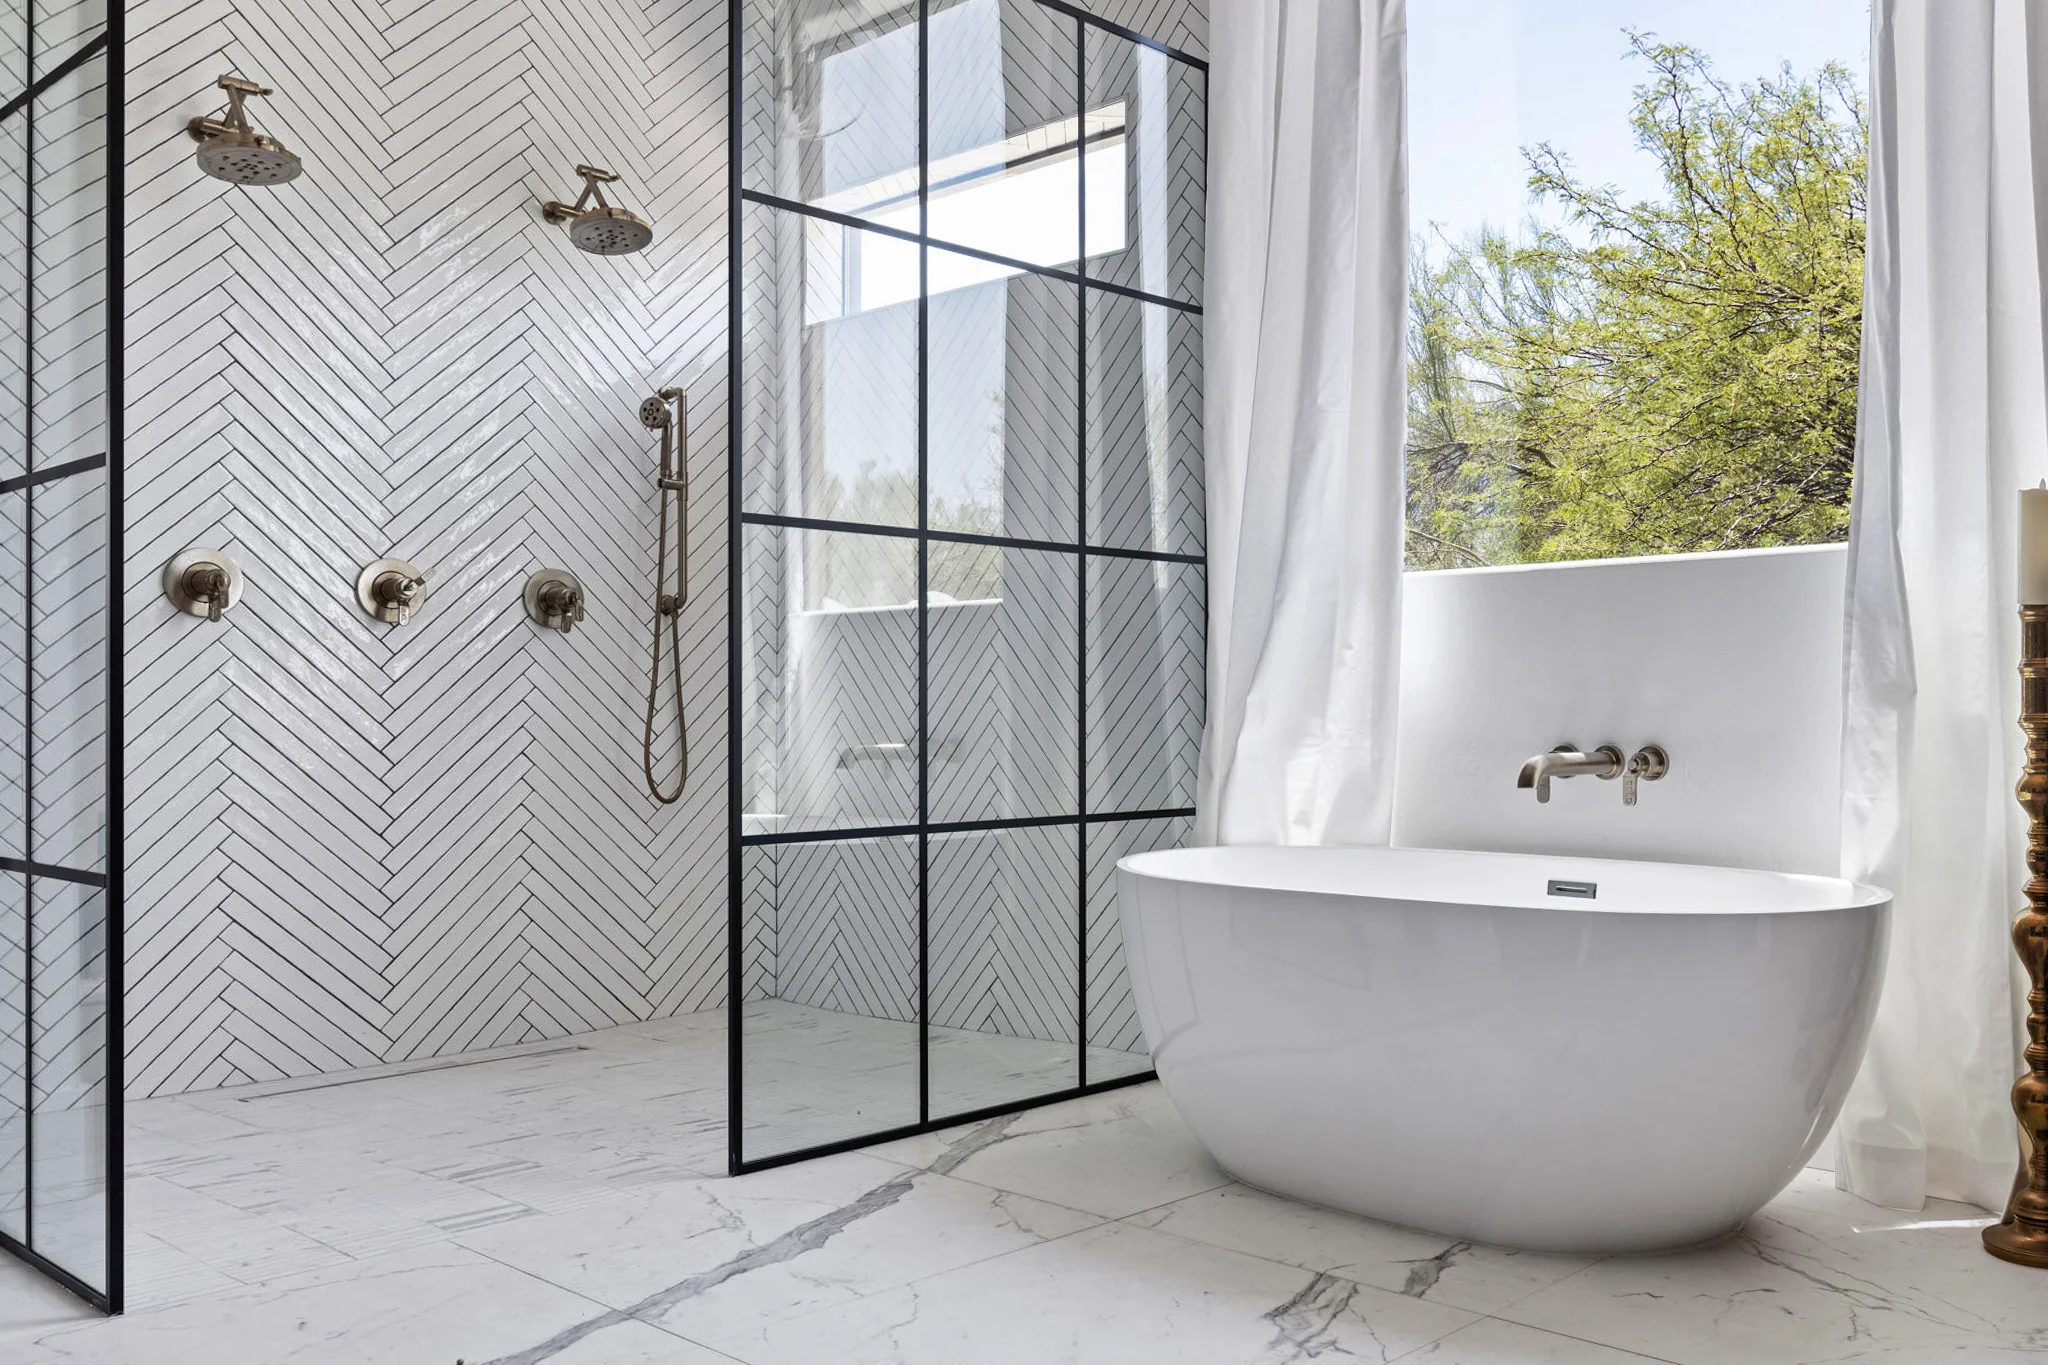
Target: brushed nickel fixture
668	412
203	583
554	599
1648	764
602	229
392	590
231	149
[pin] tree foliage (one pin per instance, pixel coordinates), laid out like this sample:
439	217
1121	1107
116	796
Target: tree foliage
1659	376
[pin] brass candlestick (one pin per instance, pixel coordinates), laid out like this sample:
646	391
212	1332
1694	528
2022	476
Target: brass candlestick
2022	1235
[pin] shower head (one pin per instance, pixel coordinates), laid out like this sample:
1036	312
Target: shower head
599	228
231	150
654	413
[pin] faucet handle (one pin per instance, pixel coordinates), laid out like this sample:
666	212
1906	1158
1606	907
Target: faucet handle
1647	765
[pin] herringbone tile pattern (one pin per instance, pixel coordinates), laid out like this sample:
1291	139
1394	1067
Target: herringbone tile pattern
351	843
831	692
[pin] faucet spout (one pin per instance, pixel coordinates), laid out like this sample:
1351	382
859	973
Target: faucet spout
1567	760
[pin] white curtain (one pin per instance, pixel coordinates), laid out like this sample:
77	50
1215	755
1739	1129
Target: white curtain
1306	303
1952	420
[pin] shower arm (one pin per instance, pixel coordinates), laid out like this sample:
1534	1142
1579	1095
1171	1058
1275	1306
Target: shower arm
236	119
555	211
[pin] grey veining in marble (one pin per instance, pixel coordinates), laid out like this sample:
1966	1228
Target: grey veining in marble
564	1205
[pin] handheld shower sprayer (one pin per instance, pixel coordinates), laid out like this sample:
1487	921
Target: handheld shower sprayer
672	422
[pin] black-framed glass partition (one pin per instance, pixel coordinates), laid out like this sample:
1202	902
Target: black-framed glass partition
967	626
60	859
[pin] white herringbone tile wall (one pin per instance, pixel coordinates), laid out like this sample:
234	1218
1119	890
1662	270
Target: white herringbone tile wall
350	843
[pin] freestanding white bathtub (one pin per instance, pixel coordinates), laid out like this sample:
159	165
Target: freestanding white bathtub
1436	1039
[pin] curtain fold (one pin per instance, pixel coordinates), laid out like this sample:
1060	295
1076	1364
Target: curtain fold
1953	419
1306	309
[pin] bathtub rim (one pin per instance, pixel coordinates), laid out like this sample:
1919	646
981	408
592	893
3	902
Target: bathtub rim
1161	865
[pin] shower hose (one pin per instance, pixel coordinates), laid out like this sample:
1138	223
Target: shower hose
668	607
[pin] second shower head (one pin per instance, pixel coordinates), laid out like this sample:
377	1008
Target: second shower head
232	150
600	228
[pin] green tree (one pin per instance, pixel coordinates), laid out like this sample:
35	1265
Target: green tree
1660	376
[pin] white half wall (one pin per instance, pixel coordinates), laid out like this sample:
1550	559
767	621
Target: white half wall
1732	662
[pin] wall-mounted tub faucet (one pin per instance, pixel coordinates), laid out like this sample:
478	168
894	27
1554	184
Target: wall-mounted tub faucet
1647	765
1567	760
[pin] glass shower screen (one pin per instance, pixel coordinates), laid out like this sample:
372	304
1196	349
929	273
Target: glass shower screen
60	1025
967	629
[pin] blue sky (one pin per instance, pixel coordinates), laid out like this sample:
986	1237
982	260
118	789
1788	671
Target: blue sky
1488	77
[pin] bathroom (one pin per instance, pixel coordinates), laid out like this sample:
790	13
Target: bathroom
1024	680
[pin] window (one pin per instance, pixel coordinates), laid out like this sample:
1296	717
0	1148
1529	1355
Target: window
1636	274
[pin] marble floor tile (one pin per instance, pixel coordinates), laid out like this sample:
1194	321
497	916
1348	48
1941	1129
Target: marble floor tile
1112	1295
1817	1276
1418	1264
1113	1154
1493	1342
31	1306
566	1205
430	1306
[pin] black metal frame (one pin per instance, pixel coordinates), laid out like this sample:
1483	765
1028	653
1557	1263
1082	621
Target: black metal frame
110	42
924	534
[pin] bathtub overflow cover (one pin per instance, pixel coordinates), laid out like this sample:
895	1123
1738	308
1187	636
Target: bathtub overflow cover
1584	891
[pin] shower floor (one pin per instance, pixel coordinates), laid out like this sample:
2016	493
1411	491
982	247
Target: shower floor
563	1203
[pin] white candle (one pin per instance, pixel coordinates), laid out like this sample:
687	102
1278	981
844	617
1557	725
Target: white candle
2034	546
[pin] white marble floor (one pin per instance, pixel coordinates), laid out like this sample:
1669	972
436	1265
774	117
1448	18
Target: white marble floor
565	1206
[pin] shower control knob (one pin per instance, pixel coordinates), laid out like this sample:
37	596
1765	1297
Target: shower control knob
203	583
554	599
392	590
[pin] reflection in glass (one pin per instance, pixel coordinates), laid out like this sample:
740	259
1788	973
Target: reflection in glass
1144	426
1003	395
1004	691
68	234
829	384
829	1025
830	91
13	1041
829	701
68	632
1159	178
68	1099
1116	1042
1145	631
1004	959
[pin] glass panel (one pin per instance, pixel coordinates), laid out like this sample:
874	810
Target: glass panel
1116	1043
13	1049
1004	992
829	375
1004	686
68	612
1144	426
1145	682
829	1033
61	28
1005	401
830	94
13	675
1004	133
69	303
831	721
1148	167
67	1034
14	236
